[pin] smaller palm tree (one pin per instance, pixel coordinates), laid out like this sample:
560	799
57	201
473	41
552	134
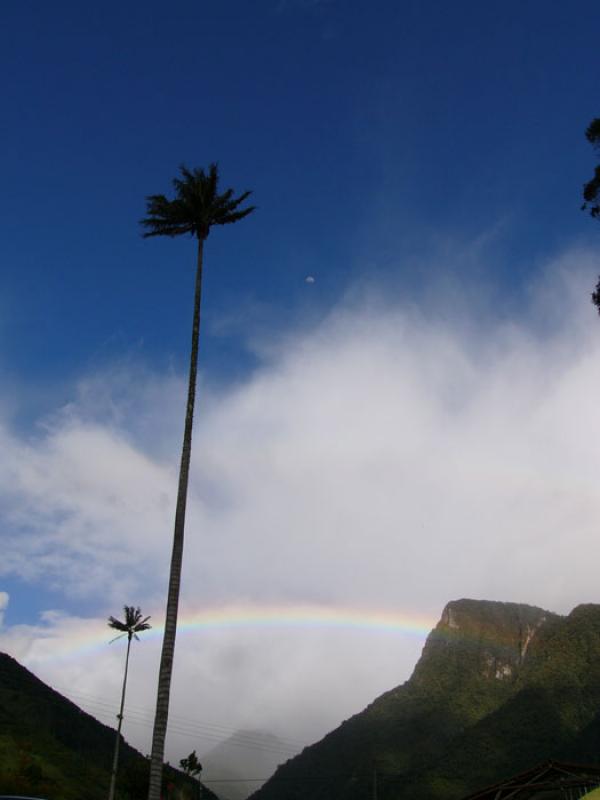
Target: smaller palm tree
130	627
192	767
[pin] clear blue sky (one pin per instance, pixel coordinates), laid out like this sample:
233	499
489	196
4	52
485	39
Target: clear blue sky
368	131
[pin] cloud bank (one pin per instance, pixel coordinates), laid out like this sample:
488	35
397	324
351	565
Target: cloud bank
387	458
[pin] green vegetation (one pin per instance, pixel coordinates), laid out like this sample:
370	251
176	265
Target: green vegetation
51	748
591	190
499	687
191	765
197	206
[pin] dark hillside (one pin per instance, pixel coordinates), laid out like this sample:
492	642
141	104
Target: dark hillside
50	746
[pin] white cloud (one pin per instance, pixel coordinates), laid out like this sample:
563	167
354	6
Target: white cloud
82	509
3	605
385	459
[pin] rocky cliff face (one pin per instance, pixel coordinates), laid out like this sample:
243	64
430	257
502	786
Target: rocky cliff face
499	686
479	639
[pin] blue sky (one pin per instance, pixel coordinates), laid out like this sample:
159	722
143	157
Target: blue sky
369	132
424	162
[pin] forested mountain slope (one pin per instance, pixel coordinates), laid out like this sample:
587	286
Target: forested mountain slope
499	687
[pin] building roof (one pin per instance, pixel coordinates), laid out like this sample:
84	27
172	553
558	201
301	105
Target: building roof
545	781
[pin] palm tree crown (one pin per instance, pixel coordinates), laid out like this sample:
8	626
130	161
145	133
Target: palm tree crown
196	208
133	623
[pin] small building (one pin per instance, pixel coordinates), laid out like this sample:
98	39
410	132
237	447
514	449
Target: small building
551	780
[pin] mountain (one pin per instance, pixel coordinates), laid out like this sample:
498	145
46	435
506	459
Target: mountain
50	747
498	688
246	754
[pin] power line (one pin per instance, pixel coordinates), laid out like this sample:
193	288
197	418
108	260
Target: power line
236	780
192	734
188	729
212	728
331	776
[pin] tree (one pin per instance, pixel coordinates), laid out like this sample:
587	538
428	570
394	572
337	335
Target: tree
196	207
192	767
130	627
591	191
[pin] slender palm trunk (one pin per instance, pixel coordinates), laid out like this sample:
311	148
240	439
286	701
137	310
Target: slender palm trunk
115	765
168	646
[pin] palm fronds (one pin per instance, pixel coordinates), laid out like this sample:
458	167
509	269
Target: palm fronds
132	625
197	206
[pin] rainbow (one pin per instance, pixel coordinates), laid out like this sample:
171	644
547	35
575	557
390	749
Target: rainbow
62	636
305	616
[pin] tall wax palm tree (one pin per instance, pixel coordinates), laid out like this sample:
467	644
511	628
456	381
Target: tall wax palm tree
196	207
130	627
